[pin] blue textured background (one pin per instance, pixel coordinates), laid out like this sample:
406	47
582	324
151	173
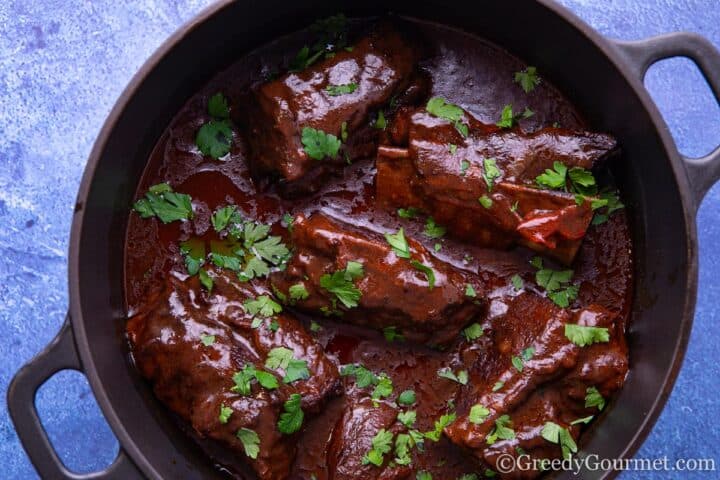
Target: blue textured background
63	63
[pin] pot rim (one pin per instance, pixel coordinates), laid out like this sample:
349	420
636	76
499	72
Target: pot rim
608	49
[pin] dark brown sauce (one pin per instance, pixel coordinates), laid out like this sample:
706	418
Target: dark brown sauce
469	72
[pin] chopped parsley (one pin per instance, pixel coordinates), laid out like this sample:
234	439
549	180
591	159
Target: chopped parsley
508	119
243	380
429	273
452	148
206	280
610	203
225	413
222	216
343	132
555	178
292	418
470	291
214	138
423	476
250	441
363	376
528	79
340	284
283	358
407	397
391	334
263	306
485	201
502	430
433	229
461	377
517	363
498	386
464	165
440	424
410	212
383	388
218	106
517	282
584	420
490	172
315	327
440	108
593	398
207	340
557	284
399	243
554	433
478	414
344	89
298	292
160	201
473	332
582	336
193	251
380	122
304	59
318	144
381	444
528	353
403	443
288	221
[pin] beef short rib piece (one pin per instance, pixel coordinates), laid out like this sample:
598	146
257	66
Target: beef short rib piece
381	65
194	379
439	171
552	384
393	292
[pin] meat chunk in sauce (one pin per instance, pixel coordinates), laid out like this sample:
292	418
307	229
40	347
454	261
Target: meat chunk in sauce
194	378
392	291
533	333
378	67
439	171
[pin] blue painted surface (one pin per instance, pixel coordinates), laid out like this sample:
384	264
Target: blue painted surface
63	63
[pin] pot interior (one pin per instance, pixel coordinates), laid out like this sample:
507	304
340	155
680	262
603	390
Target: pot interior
663	252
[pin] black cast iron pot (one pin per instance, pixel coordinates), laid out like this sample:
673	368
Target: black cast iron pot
602	77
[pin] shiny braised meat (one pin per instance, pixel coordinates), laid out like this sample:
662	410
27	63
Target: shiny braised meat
447	175
278	113
427	308
391	291
195	377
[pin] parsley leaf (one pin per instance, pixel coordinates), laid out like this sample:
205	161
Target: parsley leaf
491	172
411	212
318	144
194	252
391	334
517	363
250	441
225	413
498	386
407	397
611	203
433	229
207	340
162	202
298	292
304	59
485	201
363	376
440	424
461	377
584	420
478	414
556	284
206	280
554	179
380	122
337	90
554	433
582	181
470	291
440	108
221	217
399	243
517	282
508	119
403	442
593	398
315	327
218	106
384	387
263	306
296	370
214	138
340	283
292	418
502	430
473	332
464	165
279	357
381	444
429	273
424	476
527	79
581	335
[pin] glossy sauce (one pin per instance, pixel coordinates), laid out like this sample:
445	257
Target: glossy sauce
467	71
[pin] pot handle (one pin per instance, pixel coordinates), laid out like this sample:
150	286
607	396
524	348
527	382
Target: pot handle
60	354
641	54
